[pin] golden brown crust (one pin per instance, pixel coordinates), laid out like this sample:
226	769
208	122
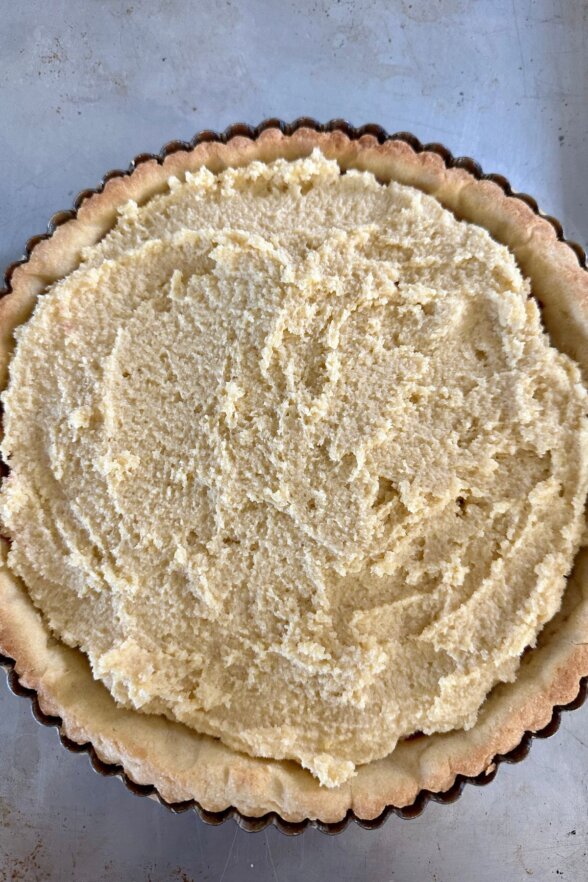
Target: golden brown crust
184	765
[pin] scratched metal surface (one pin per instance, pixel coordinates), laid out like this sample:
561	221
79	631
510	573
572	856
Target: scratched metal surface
83	87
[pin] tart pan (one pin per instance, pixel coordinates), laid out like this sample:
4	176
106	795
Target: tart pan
253	824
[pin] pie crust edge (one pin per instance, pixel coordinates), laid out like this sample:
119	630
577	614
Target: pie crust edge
184	765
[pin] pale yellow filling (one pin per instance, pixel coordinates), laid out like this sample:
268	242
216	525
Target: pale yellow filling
294	463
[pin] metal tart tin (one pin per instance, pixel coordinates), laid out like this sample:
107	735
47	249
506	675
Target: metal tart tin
251	824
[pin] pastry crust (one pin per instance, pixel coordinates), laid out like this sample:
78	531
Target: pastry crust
184	765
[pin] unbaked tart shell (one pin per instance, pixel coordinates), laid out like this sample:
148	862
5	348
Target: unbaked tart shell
156	756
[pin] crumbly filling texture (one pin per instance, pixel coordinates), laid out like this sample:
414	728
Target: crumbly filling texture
294	463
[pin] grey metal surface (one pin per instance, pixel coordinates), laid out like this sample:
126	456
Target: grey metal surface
83	87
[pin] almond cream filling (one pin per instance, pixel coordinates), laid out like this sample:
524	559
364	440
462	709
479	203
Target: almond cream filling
293	462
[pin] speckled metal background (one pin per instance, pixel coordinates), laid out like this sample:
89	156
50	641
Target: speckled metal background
84	86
